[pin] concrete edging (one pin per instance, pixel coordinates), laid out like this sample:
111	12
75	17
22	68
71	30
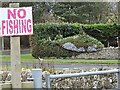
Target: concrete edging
29	85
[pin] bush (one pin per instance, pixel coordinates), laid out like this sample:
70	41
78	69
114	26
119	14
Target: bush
53	30
54	48
81	40
48	39
106	33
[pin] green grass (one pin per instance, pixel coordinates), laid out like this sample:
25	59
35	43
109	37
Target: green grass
83	61
29	58
24	58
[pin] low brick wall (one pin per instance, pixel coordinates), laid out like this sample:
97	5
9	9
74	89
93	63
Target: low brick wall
105	53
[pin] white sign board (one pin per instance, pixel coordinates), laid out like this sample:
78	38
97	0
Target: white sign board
16	21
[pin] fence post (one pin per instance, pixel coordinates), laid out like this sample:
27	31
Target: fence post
47	79
118	79
37	75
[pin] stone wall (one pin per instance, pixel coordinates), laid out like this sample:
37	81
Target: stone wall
105	53
90	82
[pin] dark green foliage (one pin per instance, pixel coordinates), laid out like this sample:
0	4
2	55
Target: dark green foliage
48	38
106	33
55	30
44	41
50	49
81	40
82	12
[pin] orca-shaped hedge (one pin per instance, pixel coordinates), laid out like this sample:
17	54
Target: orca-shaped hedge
48	38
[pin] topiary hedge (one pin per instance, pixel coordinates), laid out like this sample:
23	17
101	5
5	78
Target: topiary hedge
53	30
44	41
81	40
106	33
49	48
48	39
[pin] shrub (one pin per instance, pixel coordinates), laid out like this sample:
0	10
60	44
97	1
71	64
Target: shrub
106	33
81	40
53	30
48	39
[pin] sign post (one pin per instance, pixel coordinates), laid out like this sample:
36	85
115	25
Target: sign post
15	57
0	45
0	37
14	22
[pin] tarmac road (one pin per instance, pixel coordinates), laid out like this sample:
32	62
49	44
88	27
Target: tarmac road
67	65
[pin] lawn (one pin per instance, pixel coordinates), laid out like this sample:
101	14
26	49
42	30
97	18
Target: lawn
29	58
24	58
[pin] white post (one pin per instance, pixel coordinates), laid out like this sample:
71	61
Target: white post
118	79
37	76
15	57
47	79
15	62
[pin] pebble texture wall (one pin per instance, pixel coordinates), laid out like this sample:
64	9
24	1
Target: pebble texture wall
105	53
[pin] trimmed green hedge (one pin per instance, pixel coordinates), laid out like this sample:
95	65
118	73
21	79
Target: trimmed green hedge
48	38
44	41
49	48
81	40
54	30
103	32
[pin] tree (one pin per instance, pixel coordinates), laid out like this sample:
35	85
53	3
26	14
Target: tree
81	12
119	28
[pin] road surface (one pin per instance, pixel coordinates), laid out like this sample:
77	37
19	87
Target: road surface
66	65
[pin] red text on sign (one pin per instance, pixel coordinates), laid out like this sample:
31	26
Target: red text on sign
21	13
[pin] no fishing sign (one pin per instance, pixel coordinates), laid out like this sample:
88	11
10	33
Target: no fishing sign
16	21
